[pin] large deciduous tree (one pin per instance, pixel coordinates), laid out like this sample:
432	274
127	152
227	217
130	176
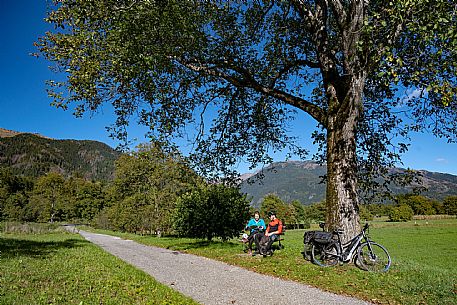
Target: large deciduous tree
147	185
260	63
48	199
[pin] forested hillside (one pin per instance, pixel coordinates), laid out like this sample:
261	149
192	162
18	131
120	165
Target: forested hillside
289	181
301	180
33	155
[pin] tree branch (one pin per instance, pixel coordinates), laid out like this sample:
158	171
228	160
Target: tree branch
339	12
293	64
304	11
247	81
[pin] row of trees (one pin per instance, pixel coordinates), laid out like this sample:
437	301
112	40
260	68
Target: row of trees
49	198
154	192
403	209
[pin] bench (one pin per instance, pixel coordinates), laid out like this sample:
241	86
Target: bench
278	241
281	238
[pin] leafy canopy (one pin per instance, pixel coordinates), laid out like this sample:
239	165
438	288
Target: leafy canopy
239	70
213	211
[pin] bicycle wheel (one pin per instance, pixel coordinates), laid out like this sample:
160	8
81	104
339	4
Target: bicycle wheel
373	257
324	255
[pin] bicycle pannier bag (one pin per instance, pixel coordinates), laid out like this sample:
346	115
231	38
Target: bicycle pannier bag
308	237
323	237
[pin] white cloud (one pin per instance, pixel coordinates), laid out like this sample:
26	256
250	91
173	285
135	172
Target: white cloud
411	94
441	160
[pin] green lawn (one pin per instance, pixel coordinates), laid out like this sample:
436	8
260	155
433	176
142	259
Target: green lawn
63	268
59	268
424	268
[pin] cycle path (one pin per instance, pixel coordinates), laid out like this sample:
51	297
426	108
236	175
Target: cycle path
212	282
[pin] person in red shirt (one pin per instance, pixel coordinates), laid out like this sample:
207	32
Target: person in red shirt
274	229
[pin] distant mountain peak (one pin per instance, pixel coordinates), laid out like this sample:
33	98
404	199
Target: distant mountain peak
33	155
6	133
306	164
302	181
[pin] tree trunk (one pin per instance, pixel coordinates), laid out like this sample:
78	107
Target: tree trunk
342	204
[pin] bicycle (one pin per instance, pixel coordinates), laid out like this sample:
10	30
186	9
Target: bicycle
326	250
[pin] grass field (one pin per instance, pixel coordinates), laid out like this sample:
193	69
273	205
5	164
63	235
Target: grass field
424	268
59	268
62	268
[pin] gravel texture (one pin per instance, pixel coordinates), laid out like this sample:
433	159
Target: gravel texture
212	282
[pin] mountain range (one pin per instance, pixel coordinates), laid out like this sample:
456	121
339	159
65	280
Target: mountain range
302	181
34	155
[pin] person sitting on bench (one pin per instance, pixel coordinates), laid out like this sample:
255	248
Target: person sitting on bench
256	225
273	232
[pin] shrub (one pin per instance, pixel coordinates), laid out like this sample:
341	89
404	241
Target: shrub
450	205
402	212
365	213
210	212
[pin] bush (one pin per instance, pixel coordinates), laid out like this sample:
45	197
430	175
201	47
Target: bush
402	212
450	205
365	213
211	211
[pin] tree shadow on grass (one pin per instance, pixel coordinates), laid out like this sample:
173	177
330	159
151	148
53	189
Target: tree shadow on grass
13	248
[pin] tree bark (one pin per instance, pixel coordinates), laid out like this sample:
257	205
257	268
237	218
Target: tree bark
342	204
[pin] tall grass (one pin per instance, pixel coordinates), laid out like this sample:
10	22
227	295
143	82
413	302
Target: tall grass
29	228
55	267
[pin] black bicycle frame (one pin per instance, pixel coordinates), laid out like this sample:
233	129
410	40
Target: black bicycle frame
347	250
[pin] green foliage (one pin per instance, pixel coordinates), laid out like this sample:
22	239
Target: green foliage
401	212
316	212
421	205
13	195
378	209
48	198
15	207
147	185
85	199
214	211
289	213
299	210
365	213
450	205
272	202
257	62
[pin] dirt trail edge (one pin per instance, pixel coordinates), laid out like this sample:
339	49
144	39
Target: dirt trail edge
211	282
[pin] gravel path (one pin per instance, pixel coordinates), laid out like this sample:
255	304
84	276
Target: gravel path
212	282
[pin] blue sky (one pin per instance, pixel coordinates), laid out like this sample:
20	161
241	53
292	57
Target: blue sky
24	105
